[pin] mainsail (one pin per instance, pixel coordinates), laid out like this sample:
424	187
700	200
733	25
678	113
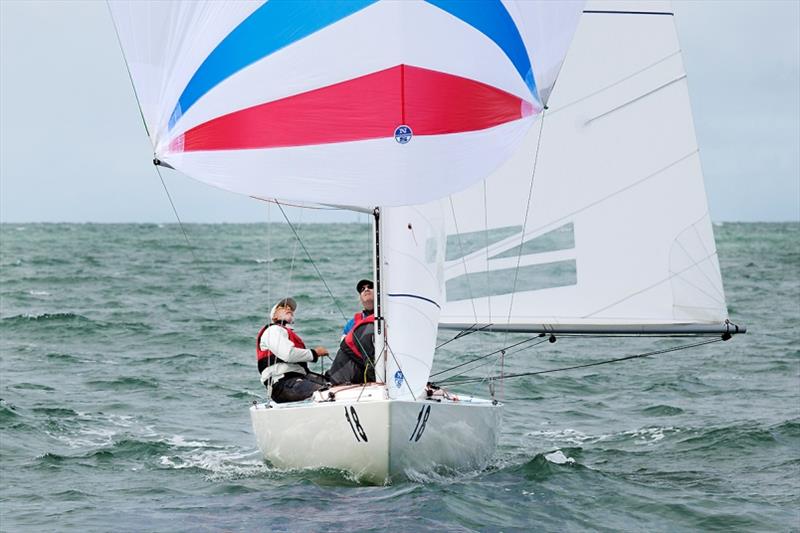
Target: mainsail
611	233
350	102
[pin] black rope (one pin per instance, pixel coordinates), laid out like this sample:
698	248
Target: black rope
464	333
587	365
487	355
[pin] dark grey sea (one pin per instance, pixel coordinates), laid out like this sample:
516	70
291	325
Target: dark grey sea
127	370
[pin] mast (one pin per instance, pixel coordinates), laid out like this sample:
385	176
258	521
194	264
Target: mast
380	330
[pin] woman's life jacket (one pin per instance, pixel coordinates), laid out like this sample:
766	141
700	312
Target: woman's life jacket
293	358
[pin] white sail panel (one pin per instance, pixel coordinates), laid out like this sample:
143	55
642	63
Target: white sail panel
412	279
305	100
617	231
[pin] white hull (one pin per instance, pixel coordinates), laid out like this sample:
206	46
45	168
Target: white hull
376	438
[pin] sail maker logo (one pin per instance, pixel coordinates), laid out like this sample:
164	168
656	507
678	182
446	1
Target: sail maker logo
403	134
545	261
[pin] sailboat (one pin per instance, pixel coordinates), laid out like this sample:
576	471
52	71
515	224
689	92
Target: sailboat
501	199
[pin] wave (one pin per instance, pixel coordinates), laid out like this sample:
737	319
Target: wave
8	412
218	465
662	410
62	357
38	293
32	386
61	412
124	383
46	317
548	464
738	437
118	450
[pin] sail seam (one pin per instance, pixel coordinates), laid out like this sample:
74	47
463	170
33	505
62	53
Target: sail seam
634	100
721	302
703	244
590	205
668	278
713	297
504	245
622	80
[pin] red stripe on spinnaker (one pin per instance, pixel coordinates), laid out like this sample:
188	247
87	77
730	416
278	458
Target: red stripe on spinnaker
368	107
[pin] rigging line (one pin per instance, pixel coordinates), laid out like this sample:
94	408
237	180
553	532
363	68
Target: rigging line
488	276
463	258
189	244
525	221
464	333
289	281
390	351
628	335
322	279
502	354
598	363
269	259
300	206
487	355
486	241
367	364
128	69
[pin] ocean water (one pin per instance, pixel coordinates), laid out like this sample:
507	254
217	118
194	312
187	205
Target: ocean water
127	370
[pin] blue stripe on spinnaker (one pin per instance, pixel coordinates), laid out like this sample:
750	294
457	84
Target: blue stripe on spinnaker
271	27
491	18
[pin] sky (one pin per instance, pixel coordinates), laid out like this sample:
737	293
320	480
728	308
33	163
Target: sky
73	149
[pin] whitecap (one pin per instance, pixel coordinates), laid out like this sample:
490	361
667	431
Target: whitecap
180	442
219	465
38	293
558	457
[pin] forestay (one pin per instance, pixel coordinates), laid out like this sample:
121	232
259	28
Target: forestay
353	102
612	232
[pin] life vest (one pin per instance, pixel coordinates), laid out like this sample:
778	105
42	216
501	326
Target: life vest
350	340
266	358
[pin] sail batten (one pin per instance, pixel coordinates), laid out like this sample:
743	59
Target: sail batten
617	234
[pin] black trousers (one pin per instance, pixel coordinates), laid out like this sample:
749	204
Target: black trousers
294	387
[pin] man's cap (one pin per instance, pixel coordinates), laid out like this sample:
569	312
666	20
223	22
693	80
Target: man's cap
283	302
360	285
